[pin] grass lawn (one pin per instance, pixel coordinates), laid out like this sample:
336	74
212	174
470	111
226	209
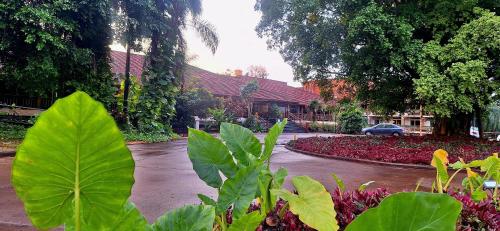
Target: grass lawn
12	135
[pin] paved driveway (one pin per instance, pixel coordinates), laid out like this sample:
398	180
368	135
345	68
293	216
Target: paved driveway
165	178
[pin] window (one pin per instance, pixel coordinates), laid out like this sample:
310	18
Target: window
415	122
396	121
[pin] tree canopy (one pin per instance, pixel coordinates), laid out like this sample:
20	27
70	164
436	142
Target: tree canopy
395	53
51	48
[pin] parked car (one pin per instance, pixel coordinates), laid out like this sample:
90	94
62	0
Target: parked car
384	129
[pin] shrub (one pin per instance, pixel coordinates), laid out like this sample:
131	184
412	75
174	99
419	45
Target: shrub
351	120
253	124
195	102
11	131
148	137
322	127
274	112
219	115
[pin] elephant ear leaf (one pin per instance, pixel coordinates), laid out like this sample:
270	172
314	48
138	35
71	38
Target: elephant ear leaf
248	222
410	211
73	166
241	141
313	204
272	138
209	155
239	191
206	199
191	217
131	219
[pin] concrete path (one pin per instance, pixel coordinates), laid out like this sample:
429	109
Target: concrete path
165	178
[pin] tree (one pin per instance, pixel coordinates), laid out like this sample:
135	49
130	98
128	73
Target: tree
166	59
51	48
246	93
257	71
130	29
314	106
374	45
462	77
351	119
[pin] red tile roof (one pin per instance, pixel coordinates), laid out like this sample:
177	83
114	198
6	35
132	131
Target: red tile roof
223	85
118	63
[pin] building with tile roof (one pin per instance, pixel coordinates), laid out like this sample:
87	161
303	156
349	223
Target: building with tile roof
290	100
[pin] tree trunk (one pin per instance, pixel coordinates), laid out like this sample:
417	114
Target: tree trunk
126	88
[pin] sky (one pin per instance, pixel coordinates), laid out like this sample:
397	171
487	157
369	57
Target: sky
239	45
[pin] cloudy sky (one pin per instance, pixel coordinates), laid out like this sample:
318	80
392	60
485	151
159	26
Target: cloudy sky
239	46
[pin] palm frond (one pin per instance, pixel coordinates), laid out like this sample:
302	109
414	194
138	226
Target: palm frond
207	33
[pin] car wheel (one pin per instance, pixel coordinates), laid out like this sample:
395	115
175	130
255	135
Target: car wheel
396	134
368	133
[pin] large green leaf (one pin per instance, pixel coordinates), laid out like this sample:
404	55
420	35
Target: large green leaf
239	191
209	155
247	222
410	211
73	164
187	218
313	204
265	182
241	141
131	219
491	166
442	172
206	200
272	138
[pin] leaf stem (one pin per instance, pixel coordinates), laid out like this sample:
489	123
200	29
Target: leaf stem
451	178
283	210
77	188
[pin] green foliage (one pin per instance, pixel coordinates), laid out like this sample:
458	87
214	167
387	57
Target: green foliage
191	217
275	112
410	211
246	179
246	93
241	142
148	137
351	120
239	191
219	115
462	75
313	204
62	169
195	102
248	222
492	122
52	48
253	123
322	127
209	156
130	218
11	131
314	106
377	46
133	97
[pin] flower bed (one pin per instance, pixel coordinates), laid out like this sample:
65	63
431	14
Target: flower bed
350	204
406	150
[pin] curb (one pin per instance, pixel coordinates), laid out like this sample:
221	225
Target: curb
374	162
